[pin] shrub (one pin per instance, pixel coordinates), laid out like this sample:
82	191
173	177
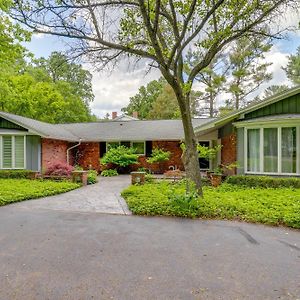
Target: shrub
231	202
59	169
92	177
120	156
109	173
18	174
149	178
158	156
264	181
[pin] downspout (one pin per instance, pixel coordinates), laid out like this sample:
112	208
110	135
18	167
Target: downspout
68	150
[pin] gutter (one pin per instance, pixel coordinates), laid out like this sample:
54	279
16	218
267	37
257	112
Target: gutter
68	150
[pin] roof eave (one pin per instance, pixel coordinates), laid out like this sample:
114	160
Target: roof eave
232	116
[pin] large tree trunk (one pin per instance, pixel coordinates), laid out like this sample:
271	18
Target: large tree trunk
190	156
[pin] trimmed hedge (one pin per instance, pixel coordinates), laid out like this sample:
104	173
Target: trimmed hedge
16	174
264	181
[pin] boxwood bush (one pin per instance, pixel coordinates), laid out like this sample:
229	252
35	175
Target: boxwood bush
18	174
264	181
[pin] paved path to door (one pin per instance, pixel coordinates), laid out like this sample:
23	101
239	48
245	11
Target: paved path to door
102	197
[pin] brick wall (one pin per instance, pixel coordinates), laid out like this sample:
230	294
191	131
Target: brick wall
87	156
53	151
175	159
229	151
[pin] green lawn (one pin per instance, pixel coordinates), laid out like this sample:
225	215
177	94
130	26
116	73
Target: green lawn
270	206
14	190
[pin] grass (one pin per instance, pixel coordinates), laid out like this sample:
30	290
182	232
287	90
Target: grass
14	190
279	206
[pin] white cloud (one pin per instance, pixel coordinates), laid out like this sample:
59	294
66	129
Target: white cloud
113	90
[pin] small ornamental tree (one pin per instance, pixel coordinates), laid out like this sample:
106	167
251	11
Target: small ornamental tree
59	169
159	156
120	157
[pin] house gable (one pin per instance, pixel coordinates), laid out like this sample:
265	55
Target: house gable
5	124
290	105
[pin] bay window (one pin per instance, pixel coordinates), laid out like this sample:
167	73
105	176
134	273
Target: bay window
12	152
272	150
253	157
289	150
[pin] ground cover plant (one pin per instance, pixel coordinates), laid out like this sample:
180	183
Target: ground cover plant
92	177
109	173
280	206
14	190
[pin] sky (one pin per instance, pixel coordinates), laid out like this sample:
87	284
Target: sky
113	89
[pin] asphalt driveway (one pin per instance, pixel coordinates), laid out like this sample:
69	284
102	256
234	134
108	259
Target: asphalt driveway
102	197
59	254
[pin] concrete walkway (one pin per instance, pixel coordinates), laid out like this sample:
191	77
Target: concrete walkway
102	197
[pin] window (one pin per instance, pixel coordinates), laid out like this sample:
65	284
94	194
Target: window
139	146
253	157
7	152
112	145
19	152
272	150
288	150
12	152
126	144
203	162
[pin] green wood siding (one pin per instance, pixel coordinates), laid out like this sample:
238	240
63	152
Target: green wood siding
33	152
226	130
4	124
290	105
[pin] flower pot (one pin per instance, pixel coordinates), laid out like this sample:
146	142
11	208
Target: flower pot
215	179
208	174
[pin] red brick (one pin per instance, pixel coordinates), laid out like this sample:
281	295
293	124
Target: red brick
174	161
229	152
53	151
87	156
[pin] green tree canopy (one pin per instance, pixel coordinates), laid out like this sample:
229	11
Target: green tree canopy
60	68
157	100
143	101
293	68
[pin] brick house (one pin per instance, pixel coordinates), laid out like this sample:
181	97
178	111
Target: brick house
264	138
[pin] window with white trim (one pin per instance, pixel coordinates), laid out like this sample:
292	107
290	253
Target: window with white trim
12	152
140	146
272	150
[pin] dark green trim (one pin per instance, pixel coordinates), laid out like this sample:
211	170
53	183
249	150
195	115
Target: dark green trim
5	124
226	130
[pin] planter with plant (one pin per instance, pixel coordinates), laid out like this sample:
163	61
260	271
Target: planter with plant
216	177
159	157
219	173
